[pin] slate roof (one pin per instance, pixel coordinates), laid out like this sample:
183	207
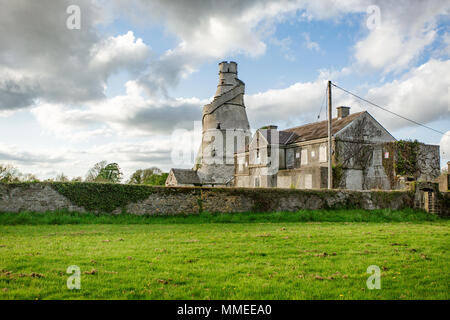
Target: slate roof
318	130
284	136
310	131
186	176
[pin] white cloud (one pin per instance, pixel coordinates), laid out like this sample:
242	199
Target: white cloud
386	48
421	95
445	147
311	45
130	155
399	39
14	154
123	51
127	115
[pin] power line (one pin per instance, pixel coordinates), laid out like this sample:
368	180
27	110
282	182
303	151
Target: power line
321	105
396	114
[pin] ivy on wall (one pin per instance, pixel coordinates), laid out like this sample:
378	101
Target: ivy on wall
406	163
102	197
388	163
338	175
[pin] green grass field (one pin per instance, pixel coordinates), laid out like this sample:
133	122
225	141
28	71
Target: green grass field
245	256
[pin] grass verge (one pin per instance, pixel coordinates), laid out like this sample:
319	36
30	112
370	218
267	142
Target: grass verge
63	217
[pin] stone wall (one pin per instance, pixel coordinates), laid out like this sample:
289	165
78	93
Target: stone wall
428	162
42	197
36	197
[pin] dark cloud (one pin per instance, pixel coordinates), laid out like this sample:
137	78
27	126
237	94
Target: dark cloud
164	118
28	157
40	58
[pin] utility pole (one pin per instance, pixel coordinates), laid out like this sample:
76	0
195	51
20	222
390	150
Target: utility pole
330	153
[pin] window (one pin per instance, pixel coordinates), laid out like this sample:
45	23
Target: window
304	158
323	153
290	158
308	181
377	157
257	182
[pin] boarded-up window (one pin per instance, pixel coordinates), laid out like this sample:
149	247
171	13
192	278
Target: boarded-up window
304	157
290	158
308	181
377	157
241	161
323	153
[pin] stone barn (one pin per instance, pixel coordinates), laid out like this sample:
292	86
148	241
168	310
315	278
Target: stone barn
182	178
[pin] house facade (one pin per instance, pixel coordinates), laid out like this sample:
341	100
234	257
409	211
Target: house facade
364	156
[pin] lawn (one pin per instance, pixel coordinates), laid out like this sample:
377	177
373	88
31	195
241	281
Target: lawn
212	257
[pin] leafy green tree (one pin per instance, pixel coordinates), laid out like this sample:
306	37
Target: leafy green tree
110	173
157	179
104	172
151	176
141	175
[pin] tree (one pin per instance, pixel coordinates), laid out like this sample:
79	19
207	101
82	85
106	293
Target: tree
157	179
62	178
104	172
140	175
29	177
150	176
110	173
93	173
9	173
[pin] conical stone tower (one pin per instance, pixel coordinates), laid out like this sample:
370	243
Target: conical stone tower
225	129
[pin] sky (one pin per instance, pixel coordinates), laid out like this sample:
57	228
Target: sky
125	81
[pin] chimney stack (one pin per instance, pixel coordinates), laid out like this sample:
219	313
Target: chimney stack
343	112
